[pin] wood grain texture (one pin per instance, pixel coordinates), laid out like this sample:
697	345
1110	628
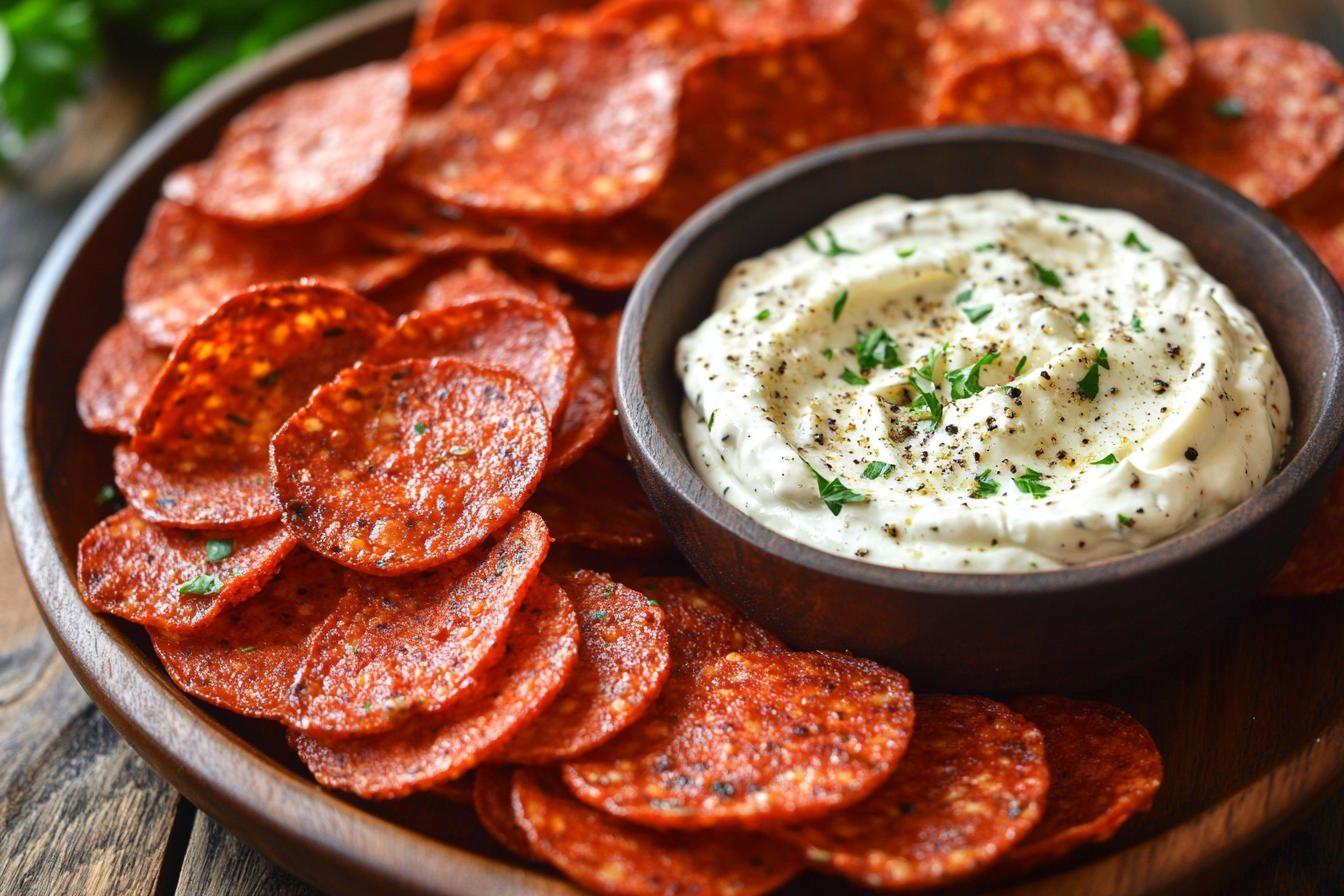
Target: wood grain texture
219	864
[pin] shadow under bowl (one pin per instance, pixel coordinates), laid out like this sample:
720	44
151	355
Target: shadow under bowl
1063	630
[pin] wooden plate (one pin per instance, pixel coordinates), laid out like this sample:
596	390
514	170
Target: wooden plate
1251	726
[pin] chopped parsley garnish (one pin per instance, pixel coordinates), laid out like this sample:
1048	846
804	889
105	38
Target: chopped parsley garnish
420	429
1147	42
1229	107
965	296
217	549
839	305
651	601
853	378
1135	324
876	349
931	363
929	403
598	616
1124	520
1020	366
832	249
835	494
460	450
828	353
368	705
1045	275
966	380
106	493
712	415
877	469
202	584
234	418
906	253
609	590
246	649
1103	359
1105	461
1063	217
763	314
984	247
1132	241
985	486
1084	318
1089	385
978	313
1029	483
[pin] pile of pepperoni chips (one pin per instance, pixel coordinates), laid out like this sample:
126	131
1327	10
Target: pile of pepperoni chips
372	486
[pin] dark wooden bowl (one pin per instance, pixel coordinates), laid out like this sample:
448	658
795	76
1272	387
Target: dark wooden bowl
1067	630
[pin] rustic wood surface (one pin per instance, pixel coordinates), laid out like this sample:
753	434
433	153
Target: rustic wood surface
81	813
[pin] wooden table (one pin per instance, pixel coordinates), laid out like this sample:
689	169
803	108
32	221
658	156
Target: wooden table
81	813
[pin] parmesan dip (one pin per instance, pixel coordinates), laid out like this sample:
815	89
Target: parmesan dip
981	383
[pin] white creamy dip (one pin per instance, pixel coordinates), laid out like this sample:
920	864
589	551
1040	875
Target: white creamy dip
1132	398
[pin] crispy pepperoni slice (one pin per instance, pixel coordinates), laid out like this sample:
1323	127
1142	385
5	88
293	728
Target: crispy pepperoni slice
574	118
542	646
176	579
199	458
404	220
608	254
1052	63
972	784
589	417
742	20
479	278
1104	767
700	624
881	60
1263	113
396	647
623	662
395	468
597	503
439	18
458	790
1316	565
492	797
246	660
609	855
1158	48
530	338
117	379
723	744
437	66
301	152
187	265
597	337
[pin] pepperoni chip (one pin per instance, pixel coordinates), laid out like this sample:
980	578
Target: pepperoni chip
408	645
117	379
246	660
480	279
1050	63
597	338
301	152
623	662
437	67
784	19
700	624
1263	113
199	458
881	59
395	468
574	118
176	579
607	254
530	338
458	790
1104	767
1318	217
590	416
492	796
187	264
608	855
972	784
597	503
403	219
542	646
724	743
438	18
1158	48
1316	565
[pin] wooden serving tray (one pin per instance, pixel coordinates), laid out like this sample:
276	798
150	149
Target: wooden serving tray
1251	725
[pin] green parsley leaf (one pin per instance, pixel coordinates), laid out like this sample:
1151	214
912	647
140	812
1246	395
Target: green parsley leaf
832	249
1045	275
1132	241
1029	483
929	403
978	313
651	601
1063	217
234	418
965	381
853	378
217	549
1105	461
1124	520
930	365
763	314
1103	359
1084	318
712	415
1135	324
984	247
835	493
876	349
839	305
877	469
368	705
1229	107
965	296
609	590
906	253
420	429
202	584
598	616
1020	366
985	486
1147	42
107	493
246	649
828	353
1089	385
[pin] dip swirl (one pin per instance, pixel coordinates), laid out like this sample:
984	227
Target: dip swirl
981	383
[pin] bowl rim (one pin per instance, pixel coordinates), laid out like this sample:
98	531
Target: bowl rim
652	444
